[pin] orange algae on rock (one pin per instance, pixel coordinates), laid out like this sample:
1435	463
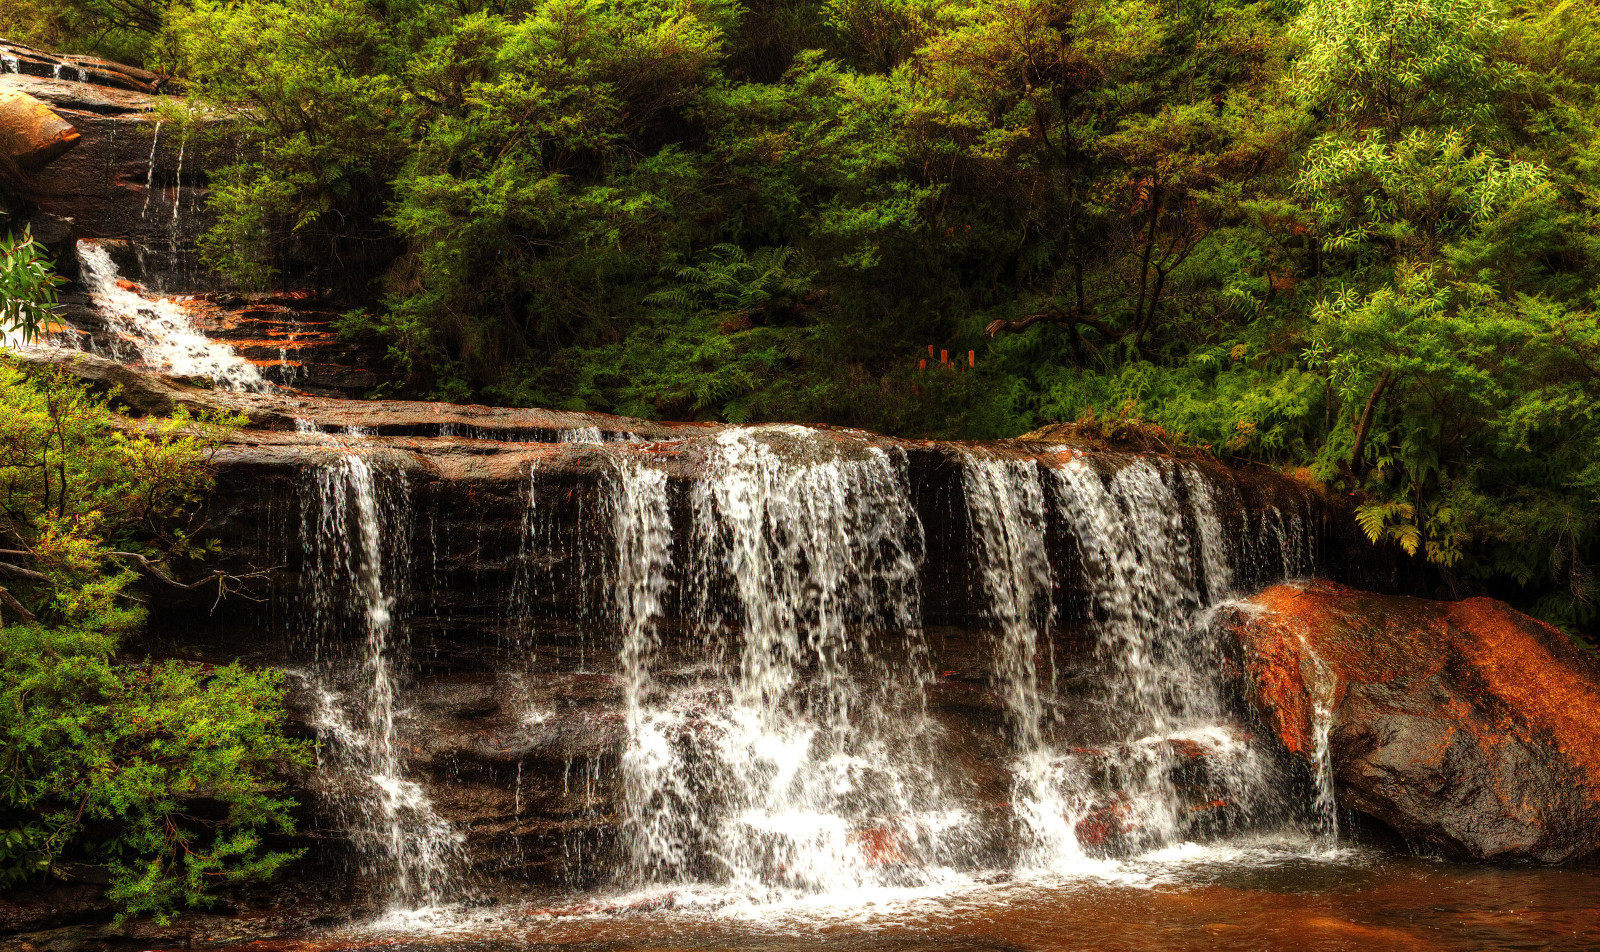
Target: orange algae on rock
1469	728
1530	665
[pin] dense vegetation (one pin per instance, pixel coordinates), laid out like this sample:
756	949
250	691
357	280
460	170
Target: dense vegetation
1354	236
163	774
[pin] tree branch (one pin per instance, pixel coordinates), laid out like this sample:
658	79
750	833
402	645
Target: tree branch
1051	315
10	601
17	571
1364	425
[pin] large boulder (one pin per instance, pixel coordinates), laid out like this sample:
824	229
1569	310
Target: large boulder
1470	729
30	134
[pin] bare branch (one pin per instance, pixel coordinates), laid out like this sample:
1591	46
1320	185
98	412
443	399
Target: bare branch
10	601
17	571
1051	315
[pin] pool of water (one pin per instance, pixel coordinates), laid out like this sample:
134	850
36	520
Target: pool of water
1258	896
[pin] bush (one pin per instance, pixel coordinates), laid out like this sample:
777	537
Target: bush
166	775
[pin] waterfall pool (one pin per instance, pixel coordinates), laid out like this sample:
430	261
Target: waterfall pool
1252	898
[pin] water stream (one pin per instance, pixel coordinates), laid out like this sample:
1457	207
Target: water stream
793	757
158	331
355	531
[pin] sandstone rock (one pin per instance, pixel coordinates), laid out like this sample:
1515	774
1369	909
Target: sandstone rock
30	134
1469	728
92	70
123	180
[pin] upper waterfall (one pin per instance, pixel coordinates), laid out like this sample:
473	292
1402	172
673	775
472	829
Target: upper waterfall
158	331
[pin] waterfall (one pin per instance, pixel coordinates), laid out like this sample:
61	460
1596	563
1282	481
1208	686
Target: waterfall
1008	522
1006	506
177	186
582	434
1161	686
789	752
159	330
150	170
643	529
355	531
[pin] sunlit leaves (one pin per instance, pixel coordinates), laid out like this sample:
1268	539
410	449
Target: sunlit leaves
27	287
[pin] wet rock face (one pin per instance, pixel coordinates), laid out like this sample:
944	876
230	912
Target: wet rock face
122	180
1469	728
509	643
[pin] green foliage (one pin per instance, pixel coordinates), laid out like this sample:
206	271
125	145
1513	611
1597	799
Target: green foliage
1352	236
1392	64
125	30
164	774
27	287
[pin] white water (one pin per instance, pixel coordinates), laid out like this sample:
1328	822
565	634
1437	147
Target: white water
582	434
1150	580
150	170
1325	686
799	761
159	329
355	533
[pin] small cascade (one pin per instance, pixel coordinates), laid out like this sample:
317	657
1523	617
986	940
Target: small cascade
1325	684
177	186
582	434
159	330
791	753
1006	505
355	530
642	525
1006	509
1150	579
1164	758
150	170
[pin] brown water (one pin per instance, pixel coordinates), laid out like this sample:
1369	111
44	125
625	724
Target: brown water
1174	902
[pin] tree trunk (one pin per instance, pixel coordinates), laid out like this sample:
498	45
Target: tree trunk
1364	425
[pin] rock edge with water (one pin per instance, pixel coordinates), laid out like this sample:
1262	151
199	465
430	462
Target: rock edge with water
1469	728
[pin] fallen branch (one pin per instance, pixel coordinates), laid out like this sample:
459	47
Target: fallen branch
10	601
17	571
1051	315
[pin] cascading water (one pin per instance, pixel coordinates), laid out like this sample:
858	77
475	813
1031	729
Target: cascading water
582	434
355	530
1005	502
797	760
1164	755
1325	686
159	330
150	170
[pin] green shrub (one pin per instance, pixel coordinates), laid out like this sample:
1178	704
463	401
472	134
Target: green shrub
166	775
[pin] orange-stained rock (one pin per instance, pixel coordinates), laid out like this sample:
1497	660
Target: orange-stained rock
1469	728
879	847
31	135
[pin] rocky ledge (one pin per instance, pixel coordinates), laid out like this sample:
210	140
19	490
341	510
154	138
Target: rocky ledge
1470	729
